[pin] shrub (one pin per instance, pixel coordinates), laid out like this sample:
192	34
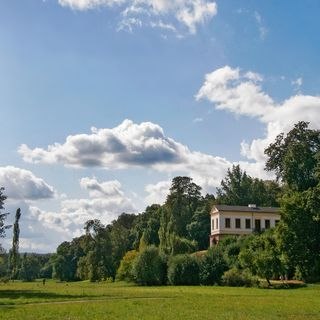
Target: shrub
239	278
150	267
183	245
183	270
212	266
125	271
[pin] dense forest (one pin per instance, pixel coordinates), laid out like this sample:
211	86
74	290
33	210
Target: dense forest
169	243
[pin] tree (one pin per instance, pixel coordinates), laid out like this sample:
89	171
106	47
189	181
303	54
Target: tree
212	266
182	202
99	259
124	271
14	252
30	267
177	212
150	267
295	157
183	270
262	256
300	232
199	227
238	188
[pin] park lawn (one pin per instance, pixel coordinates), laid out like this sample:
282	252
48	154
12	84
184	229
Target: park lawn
84	300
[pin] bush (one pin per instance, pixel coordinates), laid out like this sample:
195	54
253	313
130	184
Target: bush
239	278
212	266
125	270
183	270
183	245
150	267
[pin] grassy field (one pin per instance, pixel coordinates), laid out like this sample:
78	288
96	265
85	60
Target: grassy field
85	300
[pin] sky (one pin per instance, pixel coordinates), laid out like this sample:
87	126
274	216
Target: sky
103	102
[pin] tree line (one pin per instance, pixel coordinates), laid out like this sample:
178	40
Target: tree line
169	243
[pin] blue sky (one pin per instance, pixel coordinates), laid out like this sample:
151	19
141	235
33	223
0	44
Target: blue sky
145	90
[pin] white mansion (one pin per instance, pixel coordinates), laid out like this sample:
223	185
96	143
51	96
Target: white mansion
241	220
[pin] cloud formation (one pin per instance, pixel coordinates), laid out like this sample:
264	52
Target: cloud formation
130	145
241	93
188	13
43	230
23	184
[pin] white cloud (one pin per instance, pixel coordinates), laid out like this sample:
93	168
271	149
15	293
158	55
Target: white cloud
23	184
128	144
238	92
241	93
131	145
43	230
188	13
197	120
157	192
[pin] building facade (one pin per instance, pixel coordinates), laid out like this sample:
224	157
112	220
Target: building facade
241	220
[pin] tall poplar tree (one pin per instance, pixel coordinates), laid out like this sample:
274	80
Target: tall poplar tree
14	252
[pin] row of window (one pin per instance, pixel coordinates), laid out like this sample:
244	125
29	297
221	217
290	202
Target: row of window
227	223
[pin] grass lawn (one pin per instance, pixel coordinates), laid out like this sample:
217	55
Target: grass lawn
84	300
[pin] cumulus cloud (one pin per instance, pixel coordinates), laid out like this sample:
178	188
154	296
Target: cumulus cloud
235	91
241	93
157	192
43	230
188	13
23	184
127	144
130	145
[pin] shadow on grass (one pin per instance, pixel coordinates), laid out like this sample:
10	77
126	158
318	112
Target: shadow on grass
36	295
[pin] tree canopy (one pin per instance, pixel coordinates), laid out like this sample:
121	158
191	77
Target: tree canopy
238	188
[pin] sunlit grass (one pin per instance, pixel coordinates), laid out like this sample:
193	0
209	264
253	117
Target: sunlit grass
84	300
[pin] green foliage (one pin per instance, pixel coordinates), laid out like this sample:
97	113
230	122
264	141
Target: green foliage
239	278
262	256
150	267
231	247
199	227
183	270
179	218
300	232
146	224
14	252
181	245
212	266
121	238
238	188
30	267
64	263
295	158
125	270
182	202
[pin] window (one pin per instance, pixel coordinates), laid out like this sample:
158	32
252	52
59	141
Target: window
217	223
267	224
238	223
248	223
257	225
212	224
227	223
276	222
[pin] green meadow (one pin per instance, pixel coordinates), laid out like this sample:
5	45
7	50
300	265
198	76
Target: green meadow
84	300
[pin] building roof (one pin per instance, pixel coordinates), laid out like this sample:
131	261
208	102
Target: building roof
222	207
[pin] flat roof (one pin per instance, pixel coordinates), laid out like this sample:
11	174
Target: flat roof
222	207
